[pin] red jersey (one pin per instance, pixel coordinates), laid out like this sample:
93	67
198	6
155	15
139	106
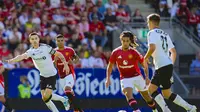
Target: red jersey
1	75
127	62
68	53
97	28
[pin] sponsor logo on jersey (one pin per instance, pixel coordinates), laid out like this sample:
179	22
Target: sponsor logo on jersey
123	67
125	62
42	58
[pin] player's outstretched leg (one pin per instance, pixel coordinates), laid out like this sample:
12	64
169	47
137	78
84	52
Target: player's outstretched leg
158	97
128	92
5	103
69	93
151	103
178	100
64	100
46	97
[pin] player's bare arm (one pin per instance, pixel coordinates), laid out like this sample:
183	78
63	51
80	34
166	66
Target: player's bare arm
18	58
75	59
146	71
173	55
62	58
108	74
2	69
150	51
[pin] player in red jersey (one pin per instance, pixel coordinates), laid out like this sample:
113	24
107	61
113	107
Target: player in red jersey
2	97
67	81
126	59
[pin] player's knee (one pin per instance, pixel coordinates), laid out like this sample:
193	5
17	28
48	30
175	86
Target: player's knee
46	98
67	88
146	96
2	99
166	94
152	89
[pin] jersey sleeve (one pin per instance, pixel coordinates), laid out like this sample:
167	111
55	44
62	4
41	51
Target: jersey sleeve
151	38
29	53
113	57
170	44
50	50
139	57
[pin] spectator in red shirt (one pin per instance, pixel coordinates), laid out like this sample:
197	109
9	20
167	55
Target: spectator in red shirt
78	9
65	32
98	30
183	12
4	52
193	21
70	16
122	15
89	5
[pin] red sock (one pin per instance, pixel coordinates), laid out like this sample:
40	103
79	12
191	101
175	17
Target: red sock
73	100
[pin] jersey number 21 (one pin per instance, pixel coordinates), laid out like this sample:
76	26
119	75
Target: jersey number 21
164	43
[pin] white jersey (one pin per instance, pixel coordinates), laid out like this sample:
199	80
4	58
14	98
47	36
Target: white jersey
42	59
163	44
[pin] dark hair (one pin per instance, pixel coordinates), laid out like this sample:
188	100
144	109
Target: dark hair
154	17
59	36
33	33
131	36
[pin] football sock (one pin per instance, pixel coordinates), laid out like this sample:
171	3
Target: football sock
133	104
74	101
159	99
179	101
56	97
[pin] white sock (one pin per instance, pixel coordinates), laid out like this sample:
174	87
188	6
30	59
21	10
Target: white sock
181	102
160	101
56	97
51	106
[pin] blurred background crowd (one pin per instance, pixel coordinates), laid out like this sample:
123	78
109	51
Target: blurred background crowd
86	24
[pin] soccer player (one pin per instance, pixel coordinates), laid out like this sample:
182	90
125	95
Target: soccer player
2	97
159	46
127	58
41	56
67	81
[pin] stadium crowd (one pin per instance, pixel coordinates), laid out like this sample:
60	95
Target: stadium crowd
86	24
187	11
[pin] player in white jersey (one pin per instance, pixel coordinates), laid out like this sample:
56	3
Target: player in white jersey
159	47
41	56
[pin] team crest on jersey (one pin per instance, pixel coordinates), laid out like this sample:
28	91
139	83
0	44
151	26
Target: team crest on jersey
67	53
125	62
130	56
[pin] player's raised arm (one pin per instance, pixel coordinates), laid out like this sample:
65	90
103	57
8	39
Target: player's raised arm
62	58
18	58
75	58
